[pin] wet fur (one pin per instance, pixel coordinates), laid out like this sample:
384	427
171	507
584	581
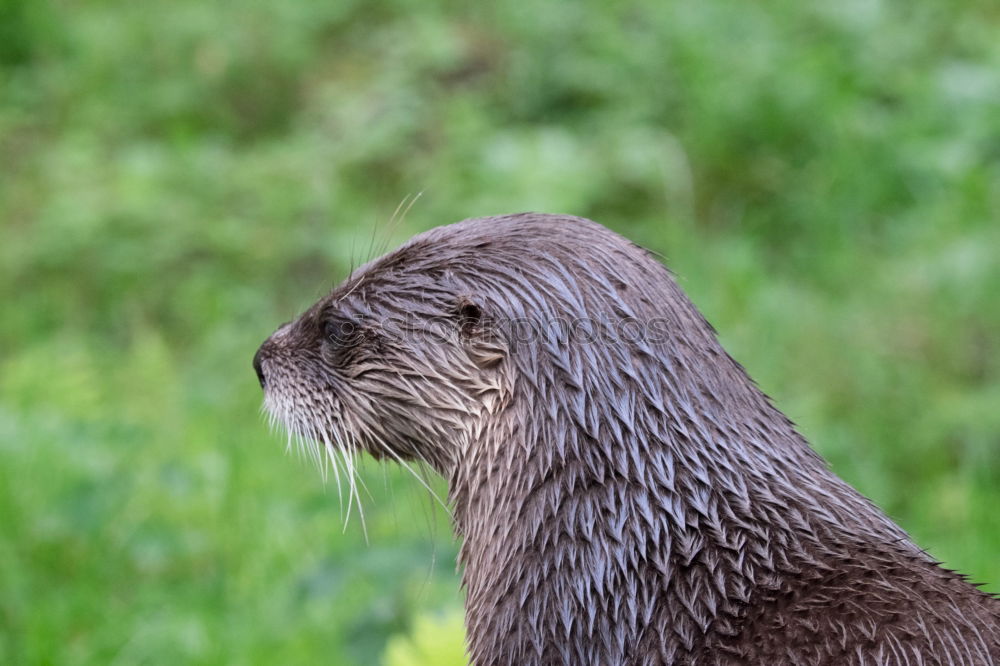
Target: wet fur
631	503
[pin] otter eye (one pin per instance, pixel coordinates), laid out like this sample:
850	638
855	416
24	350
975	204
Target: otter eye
341	331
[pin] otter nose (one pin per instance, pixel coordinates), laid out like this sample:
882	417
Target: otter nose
257	366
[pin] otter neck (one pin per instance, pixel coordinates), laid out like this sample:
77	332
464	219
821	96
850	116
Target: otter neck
582	520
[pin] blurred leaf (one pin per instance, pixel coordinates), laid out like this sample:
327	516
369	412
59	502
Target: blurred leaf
433	641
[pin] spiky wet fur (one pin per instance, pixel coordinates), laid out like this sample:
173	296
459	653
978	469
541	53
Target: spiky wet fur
635	502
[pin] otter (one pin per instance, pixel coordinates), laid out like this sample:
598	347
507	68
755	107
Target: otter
624	492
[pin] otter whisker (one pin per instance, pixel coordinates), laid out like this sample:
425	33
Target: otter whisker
402	202
388	226
359	464
331	460
353	494
352	450
361	508
397	217
351	488
422	482
318	452
312	442
267	415
308	450
395	221
300	442
349	471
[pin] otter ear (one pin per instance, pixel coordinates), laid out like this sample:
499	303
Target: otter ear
469	314
485	348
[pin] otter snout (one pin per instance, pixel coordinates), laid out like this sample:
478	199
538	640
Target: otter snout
267	350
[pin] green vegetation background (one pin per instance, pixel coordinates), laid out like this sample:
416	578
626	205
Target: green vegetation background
178	178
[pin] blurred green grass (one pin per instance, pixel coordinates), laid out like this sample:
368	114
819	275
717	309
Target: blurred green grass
178	179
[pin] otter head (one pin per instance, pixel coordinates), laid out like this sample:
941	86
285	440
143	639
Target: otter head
397	361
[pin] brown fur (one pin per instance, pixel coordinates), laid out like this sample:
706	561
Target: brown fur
623	499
